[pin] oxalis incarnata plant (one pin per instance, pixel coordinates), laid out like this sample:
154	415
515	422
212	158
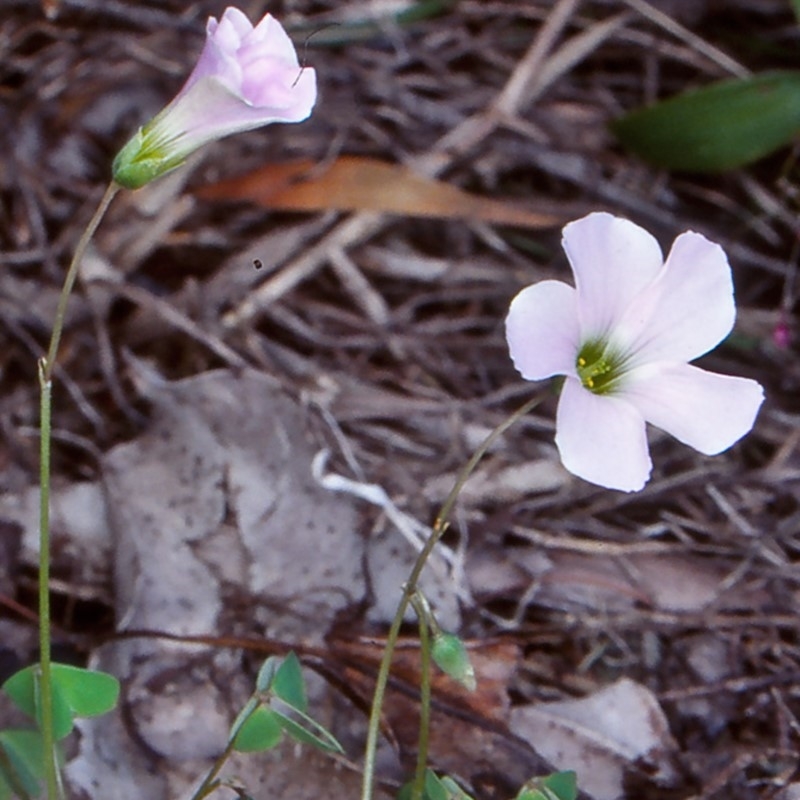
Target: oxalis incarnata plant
622	338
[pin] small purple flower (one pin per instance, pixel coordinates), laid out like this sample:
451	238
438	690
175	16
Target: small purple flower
623	338
245	77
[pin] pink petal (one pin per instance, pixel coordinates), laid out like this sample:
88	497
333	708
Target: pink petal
210	110
613	260
218	57
687	310
234	24
245	78
271	34
707	411
602	439
542	330
268	82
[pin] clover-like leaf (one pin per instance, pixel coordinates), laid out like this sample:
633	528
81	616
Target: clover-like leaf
288	684
557	786
23	689
267	674
77	692
435	788
21	763
262	730
309	732
89	693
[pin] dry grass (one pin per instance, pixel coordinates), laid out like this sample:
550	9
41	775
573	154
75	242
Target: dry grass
394	326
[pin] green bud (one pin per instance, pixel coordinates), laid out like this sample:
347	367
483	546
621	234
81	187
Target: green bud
452	658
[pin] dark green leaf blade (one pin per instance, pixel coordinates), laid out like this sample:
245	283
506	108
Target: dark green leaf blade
719	127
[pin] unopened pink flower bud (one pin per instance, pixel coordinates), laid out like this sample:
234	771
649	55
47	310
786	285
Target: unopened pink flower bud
245	77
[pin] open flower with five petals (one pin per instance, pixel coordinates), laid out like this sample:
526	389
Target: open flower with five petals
245	77
623	338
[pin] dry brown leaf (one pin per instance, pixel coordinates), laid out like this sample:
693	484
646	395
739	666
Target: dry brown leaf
494	664
355	183
603	737
469	735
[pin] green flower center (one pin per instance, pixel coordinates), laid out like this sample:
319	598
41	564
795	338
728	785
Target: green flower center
598	368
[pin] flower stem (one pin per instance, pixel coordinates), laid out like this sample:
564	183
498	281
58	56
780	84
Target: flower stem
421	608
439	527
46	367
45	680
72	274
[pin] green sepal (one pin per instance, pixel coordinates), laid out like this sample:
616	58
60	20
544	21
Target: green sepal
719	127
141	161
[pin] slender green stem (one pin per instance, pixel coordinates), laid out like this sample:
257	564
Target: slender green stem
46	367
211	782
421	608
45	679
439	527
71	277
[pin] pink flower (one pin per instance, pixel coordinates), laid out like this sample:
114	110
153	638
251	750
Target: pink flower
245	77
623	338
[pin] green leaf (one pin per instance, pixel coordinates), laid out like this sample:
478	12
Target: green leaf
719	127
451	657
21	763
796	8
249	707
23	689
288	684
267	674
557	786
436	788
76	692
455	792
89	693
564	785
262	730
310	732
6	792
